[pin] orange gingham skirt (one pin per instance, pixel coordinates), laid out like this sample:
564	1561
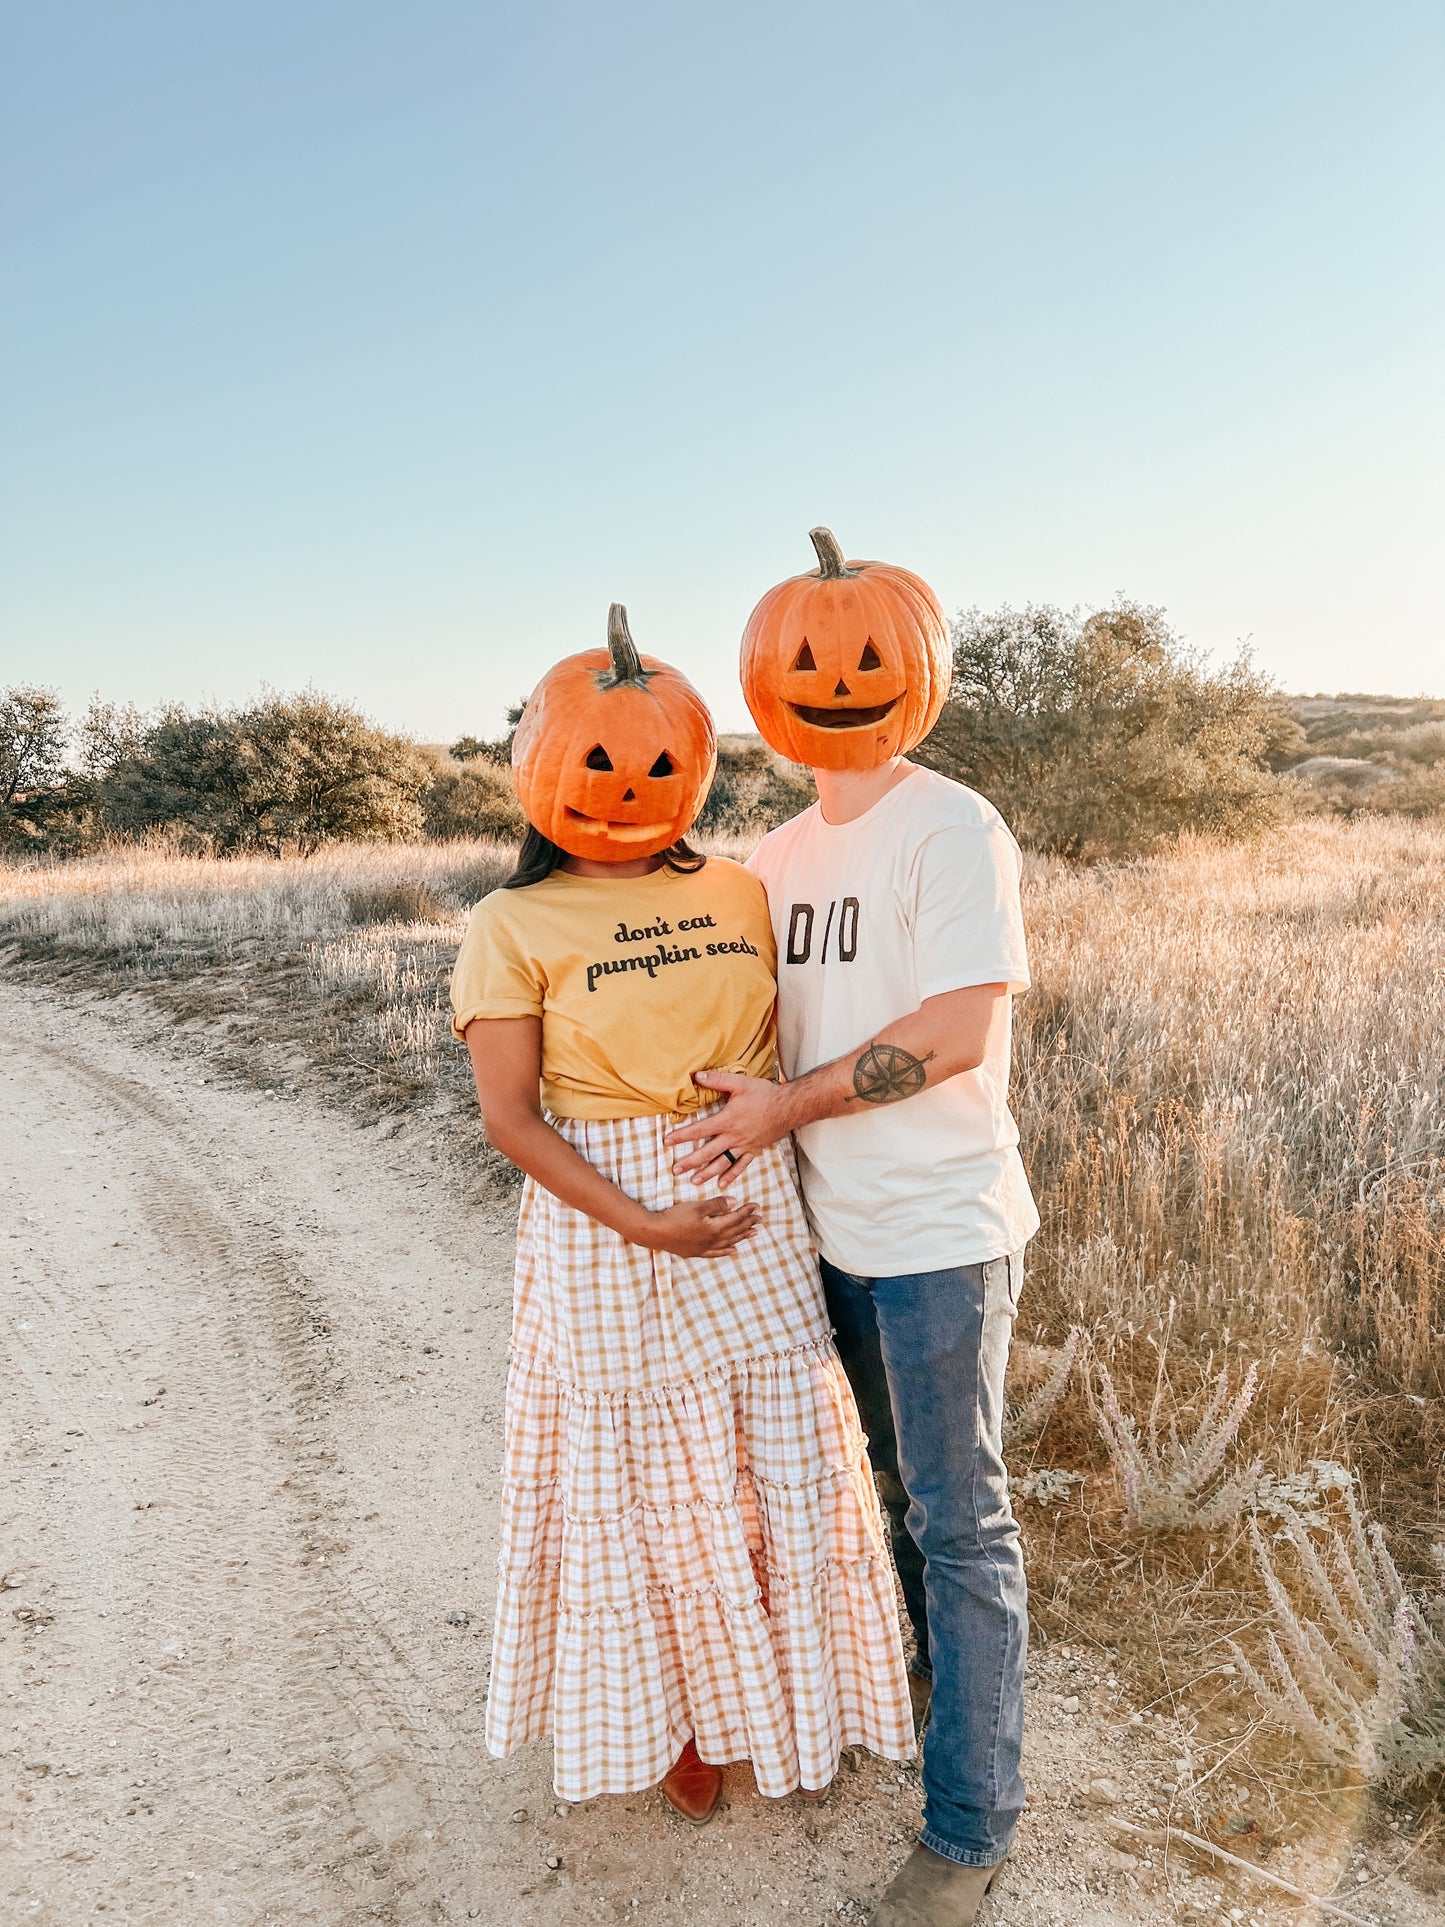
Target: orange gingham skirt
691	1542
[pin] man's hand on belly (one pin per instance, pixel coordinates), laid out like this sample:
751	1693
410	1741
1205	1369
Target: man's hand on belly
946	1036
755	1113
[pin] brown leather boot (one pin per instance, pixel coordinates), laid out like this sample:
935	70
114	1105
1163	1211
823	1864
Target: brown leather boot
931	1891
692	1787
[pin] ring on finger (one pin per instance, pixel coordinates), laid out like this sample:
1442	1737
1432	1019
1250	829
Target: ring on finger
731	1156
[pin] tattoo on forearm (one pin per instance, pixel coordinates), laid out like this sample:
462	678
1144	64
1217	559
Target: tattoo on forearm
886	1072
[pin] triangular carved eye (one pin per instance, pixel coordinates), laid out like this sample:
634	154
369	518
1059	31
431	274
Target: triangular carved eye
662	767
805	657
870	658
598	758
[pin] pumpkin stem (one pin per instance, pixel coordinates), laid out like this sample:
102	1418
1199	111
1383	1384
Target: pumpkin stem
830	555
626	663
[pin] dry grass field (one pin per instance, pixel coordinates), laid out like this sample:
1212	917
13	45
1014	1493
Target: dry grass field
1230	1086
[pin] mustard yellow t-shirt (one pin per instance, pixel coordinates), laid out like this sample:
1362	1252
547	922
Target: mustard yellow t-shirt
639	982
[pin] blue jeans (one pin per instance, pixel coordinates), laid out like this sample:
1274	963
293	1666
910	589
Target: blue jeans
925	1354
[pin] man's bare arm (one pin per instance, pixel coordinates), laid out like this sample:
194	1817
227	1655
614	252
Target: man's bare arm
946	1035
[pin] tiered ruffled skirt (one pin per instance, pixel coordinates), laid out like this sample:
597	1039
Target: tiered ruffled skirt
691	1540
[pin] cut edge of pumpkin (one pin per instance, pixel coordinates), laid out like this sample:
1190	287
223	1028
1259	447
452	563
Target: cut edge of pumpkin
615	832
841	718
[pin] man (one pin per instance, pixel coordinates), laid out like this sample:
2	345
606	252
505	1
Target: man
895	901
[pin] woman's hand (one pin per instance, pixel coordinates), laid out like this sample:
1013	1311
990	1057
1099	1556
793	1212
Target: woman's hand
507	1058
704	1229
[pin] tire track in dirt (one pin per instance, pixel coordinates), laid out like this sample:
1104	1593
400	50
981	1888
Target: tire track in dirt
310	1783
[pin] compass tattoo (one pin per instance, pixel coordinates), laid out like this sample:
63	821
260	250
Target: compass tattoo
886	1072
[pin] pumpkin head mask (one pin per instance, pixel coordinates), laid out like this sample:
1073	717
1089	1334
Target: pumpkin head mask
848	665
615	752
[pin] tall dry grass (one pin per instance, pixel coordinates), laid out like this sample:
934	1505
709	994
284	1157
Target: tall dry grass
1228	1075
1231	1093
146	905
1231	1085
373	928
345	953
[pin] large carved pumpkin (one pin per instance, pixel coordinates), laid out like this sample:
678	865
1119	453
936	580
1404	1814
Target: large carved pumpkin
615	752
848	665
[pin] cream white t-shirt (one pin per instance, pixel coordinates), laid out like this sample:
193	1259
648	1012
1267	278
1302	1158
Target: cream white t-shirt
917	897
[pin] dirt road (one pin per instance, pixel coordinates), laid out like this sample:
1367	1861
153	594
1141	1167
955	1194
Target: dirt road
253	1372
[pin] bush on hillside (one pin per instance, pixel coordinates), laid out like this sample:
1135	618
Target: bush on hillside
752	792
1105	735
1347	786
1369	754
285	773
475	799
1360	725
470	749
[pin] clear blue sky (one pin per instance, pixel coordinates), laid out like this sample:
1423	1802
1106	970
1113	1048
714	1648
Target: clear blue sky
381	346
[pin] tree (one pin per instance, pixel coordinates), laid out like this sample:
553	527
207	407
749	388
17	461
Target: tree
33	733
288	772
109	734
1103	736
330	774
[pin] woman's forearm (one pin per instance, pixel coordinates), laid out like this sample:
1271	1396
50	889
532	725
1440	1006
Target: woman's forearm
506	1054
534	1147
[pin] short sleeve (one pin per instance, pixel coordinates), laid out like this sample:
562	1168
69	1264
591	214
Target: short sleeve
764	860
968	924
493	976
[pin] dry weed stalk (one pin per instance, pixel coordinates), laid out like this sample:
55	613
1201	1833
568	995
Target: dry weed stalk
1164	1476
1363	1681
392	982
1027	1418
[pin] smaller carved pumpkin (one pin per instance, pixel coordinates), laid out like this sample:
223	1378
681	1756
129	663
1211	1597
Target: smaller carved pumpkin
848	665
615	752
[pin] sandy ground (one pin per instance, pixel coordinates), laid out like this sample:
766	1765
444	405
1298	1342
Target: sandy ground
253	1372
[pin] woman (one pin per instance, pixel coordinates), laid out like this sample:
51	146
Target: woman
693	1567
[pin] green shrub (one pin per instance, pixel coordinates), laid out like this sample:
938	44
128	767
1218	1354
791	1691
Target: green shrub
286	773
472	799
1104	736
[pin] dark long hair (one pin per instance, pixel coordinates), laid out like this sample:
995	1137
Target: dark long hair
539	856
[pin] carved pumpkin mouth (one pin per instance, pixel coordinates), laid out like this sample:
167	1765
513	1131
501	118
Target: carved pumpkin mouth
843	718
614	832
